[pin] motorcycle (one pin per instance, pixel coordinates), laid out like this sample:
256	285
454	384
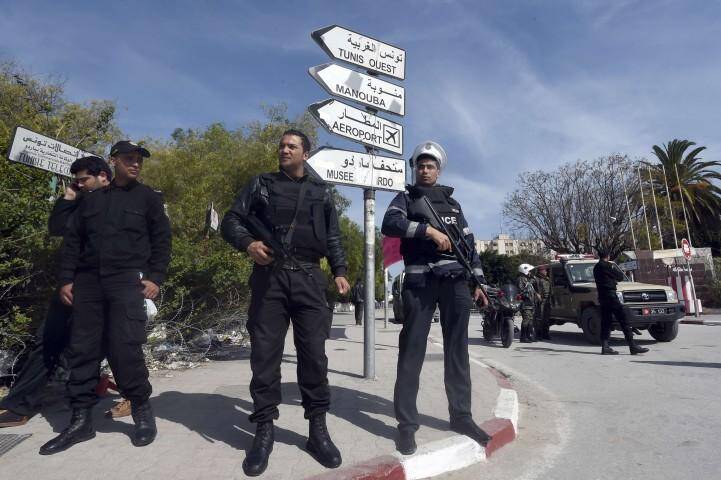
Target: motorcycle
499	315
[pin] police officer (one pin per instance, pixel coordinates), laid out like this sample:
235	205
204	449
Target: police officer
357	294
115	254
607	275
528	301
433	277
22	401
542	285
286	221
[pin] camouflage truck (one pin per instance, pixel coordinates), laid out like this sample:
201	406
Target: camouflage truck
574	299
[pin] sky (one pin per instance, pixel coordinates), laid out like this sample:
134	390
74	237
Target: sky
504	86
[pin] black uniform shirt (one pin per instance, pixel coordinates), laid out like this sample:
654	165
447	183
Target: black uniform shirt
118	229
62	210
607	275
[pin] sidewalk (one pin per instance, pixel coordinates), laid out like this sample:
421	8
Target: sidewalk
703	319
203	426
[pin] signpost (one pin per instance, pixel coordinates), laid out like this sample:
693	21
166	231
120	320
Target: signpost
356	169
365	89
366	170
686	249
361	50
358	125
40	151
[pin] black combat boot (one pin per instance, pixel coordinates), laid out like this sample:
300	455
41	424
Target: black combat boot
466	426
145	429
256	461
80	430
320	445
407	441
606	349
635	349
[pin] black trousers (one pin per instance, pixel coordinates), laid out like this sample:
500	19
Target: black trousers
279	296
611	307
421	293
358	313
49	343
108	320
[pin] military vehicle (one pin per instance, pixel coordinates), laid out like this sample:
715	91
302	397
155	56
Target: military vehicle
574	299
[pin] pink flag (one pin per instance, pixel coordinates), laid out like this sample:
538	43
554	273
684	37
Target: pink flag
391	251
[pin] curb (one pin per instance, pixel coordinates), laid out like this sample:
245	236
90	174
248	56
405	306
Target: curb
701	322
445	455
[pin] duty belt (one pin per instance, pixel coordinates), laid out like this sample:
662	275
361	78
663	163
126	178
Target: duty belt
429	266
296	265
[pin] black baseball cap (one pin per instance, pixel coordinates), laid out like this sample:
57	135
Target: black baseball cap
126	146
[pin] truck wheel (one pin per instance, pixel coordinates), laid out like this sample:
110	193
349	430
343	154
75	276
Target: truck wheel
591	325
664	332
507	332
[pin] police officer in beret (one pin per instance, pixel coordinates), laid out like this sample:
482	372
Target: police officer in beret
286	221
116	251
433	276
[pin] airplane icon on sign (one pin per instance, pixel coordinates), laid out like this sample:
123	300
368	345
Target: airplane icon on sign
390	136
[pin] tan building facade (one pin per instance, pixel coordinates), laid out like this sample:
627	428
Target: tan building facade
504	244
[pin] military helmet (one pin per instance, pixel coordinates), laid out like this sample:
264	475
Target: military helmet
430	149
525	268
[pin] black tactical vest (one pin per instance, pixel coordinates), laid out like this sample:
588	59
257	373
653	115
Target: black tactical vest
424	250
309	238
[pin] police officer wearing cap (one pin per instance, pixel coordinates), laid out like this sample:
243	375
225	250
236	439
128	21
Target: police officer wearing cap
294	213
115	254
433	277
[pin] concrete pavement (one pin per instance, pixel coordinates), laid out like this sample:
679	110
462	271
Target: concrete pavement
652	416
203	426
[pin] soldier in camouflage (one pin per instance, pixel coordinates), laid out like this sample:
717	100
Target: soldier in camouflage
542	285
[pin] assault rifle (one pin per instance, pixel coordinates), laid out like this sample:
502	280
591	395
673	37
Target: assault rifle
281	254
459	246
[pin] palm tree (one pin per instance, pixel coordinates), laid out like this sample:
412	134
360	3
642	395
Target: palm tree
695	180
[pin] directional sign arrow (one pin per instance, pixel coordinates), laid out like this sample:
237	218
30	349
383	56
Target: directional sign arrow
358	125
371	91
362	50
357	169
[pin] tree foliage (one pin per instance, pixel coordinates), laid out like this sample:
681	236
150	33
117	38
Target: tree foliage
578	207
695	182
502	269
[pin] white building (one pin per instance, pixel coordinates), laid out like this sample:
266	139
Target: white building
504	244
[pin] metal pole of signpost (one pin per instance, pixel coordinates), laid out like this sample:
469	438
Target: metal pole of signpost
369	314
688	233
693	289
